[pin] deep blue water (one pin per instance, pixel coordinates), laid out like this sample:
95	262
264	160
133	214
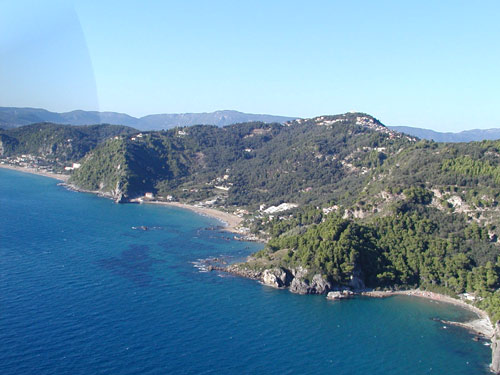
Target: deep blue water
81	292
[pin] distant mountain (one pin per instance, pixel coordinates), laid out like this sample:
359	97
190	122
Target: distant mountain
463	136
219	118
11	117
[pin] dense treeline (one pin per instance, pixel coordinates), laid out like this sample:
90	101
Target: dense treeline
414	246
468	166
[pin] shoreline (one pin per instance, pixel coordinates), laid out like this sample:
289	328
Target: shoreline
230	221
57	176
482	325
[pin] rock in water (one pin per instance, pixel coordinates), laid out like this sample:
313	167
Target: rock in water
344	294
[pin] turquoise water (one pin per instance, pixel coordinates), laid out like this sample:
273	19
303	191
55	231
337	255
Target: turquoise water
81	292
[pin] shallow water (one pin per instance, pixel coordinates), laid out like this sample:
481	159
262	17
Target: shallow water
82	292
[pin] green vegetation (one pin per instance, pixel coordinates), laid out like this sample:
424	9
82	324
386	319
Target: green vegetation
259	163
58	144
109	171
467	166
412	246
372	204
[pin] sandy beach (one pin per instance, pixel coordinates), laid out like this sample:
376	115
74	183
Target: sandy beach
57	176
482	325
231	221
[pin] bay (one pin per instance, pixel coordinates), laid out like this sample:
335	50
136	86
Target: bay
82	292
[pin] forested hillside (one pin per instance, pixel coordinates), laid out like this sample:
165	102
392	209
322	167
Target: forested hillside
305	161
361	205
56	143
412	245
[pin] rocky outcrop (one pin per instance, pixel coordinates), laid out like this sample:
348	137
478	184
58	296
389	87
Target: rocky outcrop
319	284
239	270
276	277
336	295
120	198
495	350
118	194
297	279
300	286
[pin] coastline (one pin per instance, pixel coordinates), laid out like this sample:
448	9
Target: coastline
482	325
230	221
57	176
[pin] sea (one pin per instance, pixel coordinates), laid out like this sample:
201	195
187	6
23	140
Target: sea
85	290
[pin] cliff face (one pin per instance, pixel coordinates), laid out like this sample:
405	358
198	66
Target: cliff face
495	350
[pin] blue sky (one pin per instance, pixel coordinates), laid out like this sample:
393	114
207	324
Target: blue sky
431	64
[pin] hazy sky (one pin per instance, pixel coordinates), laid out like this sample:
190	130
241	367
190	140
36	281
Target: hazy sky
431	64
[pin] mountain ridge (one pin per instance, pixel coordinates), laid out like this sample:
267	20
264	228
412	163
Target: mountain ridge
11	117
462	136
